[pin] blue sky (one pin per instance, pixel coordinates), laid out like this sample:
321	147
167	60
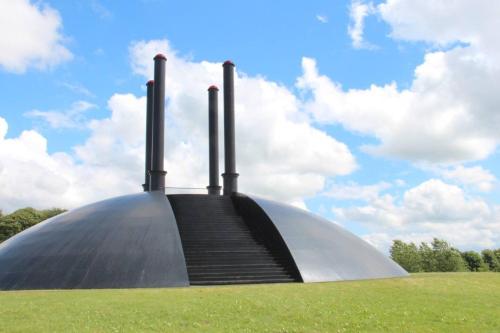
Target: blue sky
392	101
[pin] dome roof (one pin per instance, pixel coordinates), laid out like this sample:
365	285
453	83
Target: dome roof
140	240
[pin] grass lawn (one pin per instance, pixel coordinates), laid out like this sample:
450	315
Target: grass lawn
438	302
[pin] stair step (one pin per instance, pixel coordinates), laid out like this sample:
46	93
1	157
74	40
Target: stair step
249	281
234	277
212	244
195	260
273	272
218	233
242	267
224	253
259	261
215	249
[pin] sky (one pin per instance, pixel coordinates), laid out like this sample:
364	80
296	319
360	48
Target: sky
381	116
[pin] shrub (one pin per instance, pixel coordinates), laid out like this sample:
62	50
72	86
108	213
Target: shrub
22	219
448	259
8	230
491	260
406	255
474	261
439	256
428	259
497	254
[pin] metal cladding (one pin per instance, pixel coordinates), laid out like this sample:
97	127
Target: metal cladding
229	176
125	242
136	241
323	251
149	134
157	172
213	141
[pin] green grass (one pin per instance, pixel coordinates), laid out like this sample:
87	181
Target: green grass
440	302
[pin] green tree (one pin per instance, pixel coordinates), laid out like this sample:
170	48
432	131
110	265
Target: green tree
448	259
439	256
8	230
474	261
497	254
427	257
28	217
406	255
491	260
22	219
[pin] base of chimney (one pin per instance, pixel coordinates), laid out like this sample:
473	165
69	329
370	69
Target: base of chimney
157	180
214	190
230	181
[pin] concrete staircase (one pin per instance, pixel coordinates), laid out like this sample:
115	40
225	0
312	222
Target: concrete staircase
220	247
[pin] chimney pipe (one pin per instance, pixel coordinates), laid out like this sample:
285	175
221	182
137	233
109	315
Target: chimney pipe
149	133
157	173
229	176
213	141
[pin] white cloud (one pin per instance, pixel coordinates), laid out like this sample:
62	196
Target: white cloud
77	88
353	191
30	36
116	142
72	118
379	210
400	182
450	112
444	117
322	18
108	164
358	12
279	153
435	200
431	201
28	174
100	10
476	176
431	209
436	22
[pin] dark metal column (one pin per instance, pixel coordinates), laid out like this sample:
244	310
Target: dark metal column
149	133
213	141
230	176
157	173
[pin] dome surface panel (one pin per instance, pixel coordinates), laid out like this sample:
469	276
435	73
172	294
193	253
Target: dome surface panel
324	251
124	242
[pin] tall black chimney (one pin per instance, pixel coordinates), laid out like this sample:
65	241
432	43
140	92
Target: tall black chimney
213	141
230	176
157	173
149	133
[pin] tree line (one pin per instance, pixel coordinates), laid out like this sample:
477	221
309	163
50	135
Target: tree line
24	218
440	256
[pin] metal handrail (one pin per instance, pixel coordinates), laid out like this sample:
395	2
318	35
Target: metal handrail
186	188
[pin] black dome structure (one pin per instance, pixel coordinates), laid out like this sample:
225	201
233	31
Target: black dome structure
151	239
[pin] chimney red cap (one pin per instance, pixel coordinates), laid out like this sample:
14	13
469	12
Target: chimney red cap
150	82
228	62
212	87
160	56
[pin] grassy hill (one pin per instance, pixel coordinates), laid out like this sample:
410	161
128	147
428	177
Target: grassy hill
434	302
